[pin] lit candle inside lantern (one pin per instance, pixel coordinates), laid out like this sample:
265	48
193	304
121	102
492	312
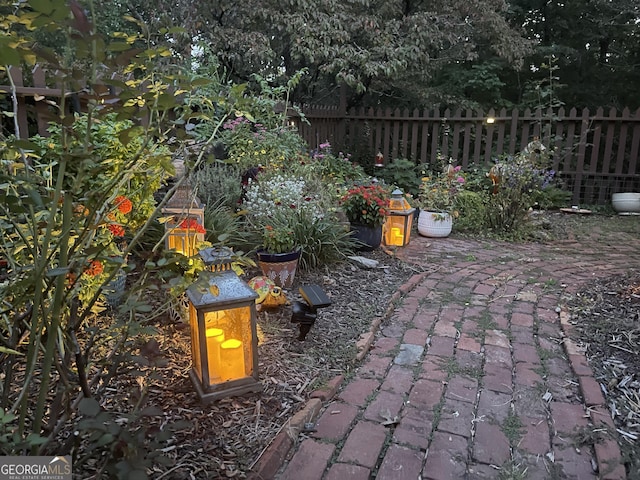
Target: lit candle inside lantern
231	360
397	238
215	337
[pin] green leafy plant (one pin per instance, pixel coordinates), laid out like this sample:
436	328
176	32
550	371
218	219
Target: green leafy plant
366	204
278	238
438	191
322	240
516	181
403	174
335	168
64	203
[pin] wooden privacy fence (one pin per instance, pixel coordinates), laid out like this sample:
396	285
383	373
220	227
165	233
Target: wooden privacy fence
594	154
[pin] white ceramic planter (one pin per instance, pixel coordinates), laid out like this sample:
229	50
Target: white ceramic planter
434	224
626	203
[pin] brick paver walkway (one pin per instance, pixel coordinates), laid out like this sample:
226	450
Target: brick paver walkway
474	375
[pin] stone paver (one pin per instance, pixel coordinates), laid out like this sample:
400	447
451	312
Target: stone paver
452	385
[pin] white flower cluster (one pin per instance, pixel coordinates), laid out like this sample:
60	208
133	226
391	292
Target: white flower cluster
280	193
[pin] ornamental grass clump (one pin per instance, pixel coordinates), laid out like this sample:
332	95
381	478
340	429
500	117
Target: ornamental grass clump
366	204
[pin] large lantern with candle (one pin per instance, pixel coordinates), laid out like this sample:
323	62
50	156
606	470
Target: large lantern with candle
184	226
399	221
224	342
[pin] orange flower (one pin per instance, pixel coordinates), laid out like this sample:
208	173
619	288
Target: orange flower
95	268
123	204
71	279
192	224
116	230
81	210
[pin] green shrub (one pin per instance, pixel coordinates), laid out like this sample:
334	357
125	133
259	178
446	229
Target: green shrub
472	212
219	183
333	170
403	174
551	198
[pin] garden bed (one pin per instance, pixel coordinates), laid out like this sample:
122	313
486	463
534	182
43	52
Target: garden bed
224	438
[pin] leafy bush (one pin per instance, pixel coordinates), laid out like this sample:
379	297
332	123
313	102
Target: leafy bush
403	174
551	198
335	169
472	212
516	179
219	183
251	143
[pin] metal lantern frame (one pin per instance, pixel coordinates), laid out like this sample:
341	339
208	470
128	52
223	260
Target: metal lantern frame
399	221
183	206
224	340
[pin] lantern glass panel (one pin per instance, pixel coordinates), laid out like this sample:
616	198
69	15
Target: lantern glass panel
399	203
184	241
229	345
397	228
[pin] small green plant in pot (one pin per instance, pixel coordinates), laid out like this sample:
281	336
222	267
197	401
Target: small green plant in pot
438	192
279	254
278	239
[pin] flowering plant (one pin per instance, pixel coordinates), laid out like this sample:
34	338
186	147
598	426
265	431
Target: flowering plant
438	192
366	204
278	238
280	194
192	224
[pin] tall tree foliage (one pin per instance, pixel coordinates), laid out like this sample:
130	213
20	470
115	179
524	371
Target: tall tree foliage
382	50
596	44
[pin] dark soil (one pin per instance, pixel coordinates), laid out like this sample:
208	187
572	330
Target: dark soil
607	315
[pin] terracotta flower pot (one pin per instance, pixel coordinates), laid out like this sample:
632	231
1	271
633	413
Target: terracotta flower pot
279	267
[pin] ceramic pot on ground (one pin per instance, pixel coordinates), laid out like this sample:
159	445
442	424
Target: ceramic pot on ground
114	290
434	224
369	238
627	203
279	267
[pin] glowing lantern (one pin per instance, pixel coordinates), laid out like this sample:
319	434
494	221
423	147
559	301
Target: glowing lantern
185	226
224	342
398	223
